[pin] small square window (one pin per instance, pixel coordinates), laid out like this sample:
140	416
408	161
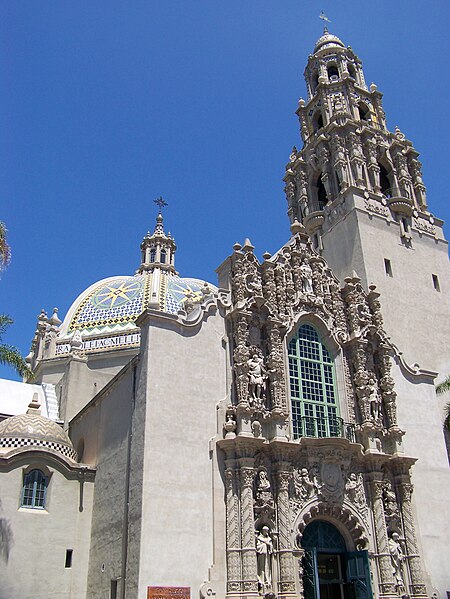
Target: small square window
436	284
388	267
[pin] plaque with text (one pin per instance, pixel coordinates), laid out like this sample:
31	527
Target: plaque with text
168	592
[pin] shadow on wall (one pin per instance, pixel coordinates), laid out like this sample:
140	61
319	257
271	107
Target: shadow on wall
6	538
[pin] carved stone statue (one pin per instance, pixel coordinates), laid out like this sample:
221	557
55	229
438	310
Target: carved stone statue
264	550
306	274
391	511
354	491
397	558
257	375
374	398
304	487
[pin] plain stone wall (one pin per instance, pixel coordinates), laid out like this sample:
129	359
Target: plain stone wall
424	439
35	567
77	381
103	428
185	380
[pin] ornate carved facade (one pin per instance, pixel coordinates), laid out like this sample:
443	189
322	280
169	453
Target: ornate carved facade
278	481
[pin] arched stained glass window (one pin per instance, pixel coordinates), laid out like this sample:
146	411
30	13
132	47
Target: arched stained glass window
34	489
315	408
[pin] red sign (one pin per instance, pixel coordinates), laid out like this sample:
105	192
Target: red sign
168	592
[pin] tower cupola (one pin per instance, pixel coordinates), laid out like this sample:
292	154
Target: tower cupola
347	149
158	249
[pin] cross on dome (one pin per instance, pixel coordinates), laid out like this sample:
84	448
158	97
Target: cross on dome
161	203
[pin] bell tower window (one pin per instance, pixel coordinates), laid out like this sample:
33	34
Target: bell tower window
364	112
333	73
384	182
322	199
314	82
317	122
315	409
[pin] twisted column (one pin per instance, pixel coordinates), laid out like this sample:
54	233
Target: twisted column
414	561
249	562
286	562
386	583
233	534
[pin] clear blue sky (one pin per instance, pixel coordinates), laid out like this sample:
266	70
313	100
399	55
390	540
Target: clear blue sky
106	105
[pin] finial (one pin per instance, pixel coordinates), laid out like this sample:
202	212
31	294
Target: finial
54	320
324	17
34	407
160	203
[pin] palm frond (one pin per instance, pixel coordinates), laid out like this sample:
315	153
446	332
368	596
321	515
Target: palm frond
5	322
5	250
443	387
447	417
10	356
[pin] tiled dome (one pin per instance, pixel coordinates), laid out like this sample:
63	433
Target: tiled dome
115	303
33	430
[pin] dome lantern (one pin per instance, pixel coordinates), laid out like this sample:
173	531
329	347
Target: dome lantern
158	249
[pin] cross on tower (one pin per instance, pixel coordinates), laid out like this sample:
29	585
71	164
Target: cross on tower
161	203
324	17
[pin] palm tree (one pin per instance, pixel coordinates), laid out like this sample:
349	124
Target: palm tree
9	355
440	389
5	250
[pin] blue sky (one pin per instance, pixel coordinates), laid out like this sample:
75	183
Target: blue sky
107	105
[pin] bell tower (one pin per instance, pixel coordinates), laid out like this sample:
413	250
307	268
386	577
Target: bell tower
358	190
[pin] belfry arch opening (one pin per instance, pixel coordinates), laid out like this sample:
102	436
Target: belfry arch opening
364	112
331	570
314	82
333	73
322	199
385	184
317	122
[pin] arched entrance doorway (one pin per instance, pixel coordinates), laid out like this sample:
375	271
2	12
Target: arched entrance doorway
330	571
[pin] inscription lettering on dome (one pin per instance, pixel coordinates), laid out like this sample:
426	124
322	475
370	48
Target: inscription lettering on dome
102	343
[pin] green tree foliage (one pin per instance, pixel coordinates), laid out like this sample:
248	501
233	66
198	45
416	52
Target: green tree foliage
9	355
440	389
5	250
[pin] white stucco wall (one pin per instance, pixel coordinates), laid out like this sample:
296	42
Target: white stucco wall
36	563
184	375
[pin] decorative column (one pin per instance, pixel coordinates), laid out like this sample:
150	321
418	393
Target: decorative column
233	532
418	588
248	550
287	577
298	558
386	582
